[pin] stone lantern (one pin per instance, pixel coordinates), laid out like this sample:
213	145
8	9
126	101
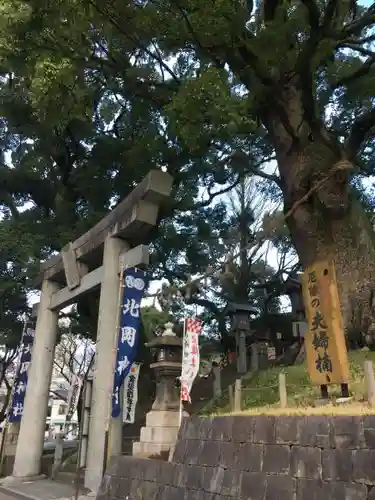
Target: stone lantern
293	288
240	317
163	421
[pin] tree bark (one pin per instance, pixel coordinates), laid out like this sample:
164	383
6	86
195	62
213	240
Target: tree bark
331	223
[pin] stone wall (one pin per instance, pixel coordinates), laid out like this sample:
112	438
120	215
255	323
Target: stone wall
258	458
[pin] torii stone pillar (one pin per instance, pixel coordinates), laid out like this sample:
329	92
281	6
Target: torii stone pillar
33	424
106	348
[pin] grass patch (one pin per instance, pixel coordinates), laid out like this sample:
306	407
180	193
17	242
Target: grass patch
261	394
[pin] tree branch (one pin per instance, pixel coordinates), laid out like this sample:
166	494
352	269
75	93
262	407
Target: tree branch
313	13
360	130
329	13
211	196
362	71
355	27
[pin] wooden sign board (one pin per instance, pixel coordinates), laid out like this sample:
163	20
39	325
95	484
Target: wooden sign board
326	353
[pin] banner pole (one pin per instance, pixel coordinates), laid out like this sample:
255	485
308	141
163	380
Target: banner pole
182	364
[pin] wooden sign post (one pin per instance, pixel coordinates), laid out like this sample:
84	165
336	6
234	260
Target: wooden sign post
326	352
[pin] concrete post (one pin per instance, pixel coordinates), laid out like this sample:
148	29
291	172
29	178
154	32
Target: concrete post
106	348
238	395
370	383
216	369
33	424
282	391
242	357
254	357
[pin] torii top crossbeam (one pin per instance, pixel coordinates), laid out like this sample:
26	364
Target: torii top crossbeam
77	268
130	219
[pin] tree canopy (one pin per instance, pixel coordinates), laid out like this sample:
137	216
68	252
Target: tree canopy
94	94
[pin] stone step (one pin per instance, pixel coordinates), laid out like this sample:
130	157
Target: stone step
159	434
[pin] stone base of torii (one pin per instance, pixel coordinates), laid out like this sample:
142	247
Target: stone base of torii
94	260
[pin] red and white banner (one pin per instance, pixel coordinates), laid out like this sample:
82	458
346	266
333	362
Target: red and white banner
190	356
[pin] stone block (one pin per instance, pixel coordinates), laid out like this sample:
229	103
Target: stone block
166	473
195	477
179	451
194	448
136	489
243	428
122	487
306	462
147	450
250	457
152	470
311	489
276	459
210	454
150	489
280	488
140	467
346	432
363	466
222	428
228	454
213	479
179	476
253	485
287	430
350	491
337	465
371	494
264	430
182	429
172	493
205	430
163	418
368	423
315	431
369	438
192	428
231	484
159	434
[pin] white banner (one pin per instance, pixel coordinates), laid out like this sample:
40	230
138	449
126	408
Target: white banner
190	356
131	394
73	395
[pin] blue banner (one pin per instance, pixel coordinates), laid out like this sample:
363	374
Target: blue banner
18	400
134	283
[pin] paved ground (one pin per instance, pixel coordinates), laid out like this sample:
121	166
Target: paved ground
3	496
44	489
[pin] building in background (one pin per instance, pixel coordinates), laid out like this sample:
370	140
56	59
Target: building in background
57	410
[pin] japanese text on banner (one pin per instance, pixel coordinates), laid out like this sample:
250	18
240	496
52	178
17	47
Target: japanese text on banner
131	394
326	352
190	356
134	284
73	395
18	400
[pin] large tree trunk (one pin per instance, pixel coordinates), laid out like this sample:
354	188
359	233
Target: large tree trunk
331	222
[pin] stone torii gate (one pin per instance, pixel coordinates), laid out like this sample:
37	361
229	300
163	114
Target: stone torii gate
94	260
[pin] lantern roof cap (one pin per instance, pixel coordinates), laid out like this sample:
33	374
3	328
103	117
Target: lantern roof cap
167	339
234	307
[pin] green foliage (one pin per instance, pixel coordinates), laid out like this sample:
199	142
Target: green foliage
261	393
93	95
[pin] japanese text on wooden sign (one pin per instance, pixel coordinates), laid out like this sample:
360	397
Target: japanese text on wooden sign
190	356
134	283
326	352
18	400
